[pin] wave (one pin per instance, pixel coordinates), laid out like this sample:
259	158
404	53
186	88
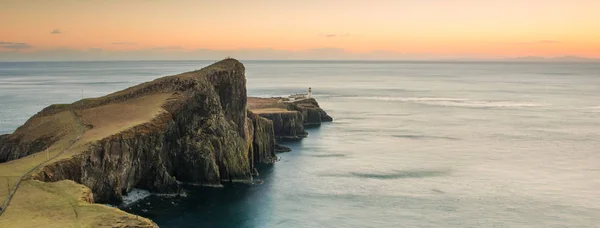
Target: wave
135	195
454	102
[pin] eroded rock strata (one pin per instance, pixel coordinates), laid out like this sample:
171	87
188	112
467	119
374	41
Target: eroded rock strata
262	149
290	117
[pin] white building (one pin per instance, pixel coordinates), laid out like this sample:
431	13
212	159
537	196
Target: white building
300	96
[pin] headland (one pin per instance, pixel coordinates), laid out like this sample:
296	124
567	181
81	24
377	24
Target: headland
197	127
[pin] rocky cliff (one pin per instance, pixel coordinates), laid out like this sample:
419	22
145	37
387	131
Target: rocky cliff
262	147
198	133
312	113
290	117
287	125
193	127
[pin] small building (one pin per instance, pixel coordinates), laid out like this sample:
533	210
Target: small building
300	96
297	96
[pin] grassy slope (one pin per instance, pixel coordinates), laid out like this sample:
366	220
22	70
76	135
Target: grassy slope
266	105
12	170
62	204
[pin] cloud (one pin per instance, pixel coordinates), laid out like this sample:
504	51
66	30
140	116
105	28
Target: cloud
14	46
123	43
333	35
56	31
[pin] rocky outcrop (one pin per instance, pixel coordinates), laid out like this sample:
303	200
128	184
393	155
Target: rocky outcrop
290	117
287	125
312	114
281	149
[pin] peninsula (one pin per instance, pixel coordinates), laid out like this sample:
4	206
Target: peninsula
197	127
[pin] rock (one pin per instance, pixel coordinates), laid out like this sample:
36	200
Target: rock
281	149
289	118
312	114
263	145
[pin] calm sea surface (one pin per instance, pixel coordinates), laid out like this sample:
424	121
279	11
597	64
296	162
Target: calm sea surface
414	144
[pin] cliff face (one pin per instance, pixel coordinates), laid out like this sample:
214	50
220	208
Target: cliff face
201	136
262	148
287	125
15	147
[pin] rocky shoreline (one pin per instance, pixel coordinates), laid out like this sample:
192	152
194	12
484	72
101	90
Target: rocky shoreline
197	127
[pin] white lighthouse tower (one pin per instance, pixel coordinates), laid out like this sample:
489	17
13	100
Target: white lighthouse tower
309	92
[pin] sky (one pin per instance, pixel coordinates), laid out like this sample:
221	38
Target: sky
290	29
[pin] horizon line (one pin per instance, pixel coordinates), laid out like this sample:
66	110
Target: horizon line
513	59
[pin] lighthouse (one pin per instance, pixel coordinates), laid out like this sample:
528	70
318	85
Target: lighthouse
309	92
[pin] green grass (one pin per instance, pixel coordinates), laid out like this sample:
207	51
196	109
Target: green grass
63	204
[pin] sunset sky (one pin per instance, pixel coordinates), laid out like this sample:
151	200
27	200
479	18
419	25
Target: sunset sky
269	29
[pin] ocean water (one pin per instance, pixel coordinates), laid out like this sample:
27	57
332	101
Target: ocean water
413	144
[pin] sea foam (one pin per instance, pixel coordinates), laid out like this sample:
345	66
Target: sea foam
135	195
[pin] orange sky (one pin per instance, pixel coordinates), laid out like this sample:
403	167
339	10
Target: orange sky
469	28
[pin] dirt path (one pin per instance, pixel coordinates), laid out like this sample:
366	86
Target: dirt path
24	176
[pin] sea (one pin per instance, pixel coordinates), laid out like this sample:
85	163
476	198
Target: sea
413	143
